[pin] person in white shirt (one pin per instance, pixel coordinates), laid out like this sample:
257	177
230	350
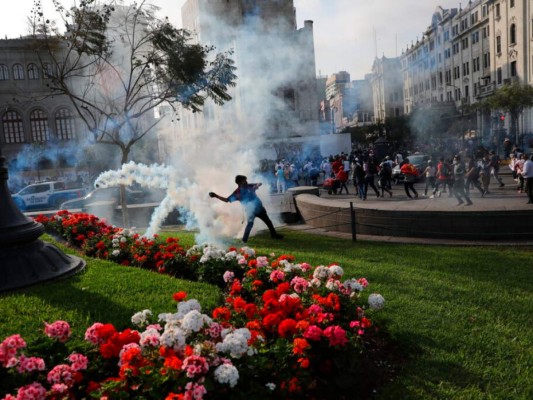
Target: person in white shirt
527	173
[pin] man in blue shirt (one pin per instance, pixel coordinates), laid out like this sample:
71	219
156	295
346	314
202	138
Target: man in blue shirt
245	193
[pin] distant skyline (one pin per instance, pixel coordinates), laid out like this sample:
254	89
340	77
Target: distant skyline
349	34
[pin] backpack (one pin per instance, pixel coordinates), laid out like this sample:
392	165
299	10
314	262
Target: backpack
386	170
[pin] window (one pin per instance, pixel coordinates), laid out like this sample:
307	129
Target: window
475	64
4	72
466	68
47	70
486	32
497	11
498	44
447	35
475	37
484	11
464	24
499	76
512	34
33	71
455	48
18	72
457	94
511	3
486	60
464	43
513	68
39	126
13	127
467	93
64	124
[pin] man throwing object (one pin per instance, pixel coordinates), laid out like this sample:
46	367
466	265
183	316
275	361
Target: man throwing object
245	193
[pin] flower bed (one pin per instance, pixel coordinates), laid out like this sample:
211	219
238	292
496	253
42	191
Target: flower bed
285	330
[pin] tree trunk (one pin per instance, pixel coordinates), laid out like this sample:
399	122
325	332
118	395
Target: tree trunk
123	199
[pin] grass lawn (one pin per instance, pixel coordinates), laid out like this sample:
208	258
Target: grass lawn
459	317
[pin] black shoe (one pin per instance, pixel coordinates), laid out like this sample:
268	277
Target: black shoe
469	203
277	236
502	184
460	202
529	202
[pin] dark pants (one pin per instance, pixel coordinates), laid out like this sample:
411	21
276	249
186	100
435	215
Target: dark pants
409	186
369	181
459	191
529	189
263	216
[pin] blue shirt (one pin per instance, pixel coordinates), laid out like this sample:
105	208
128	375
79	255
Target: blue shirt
248	198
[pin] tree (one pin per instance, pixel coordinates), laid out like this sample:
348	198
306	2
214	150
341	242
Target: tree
512	99
117	64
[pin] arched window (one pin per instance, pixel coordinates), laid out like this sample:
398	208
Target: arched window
13	127
64	124
39	126
4	72
47	70
33	71
18	72
512	34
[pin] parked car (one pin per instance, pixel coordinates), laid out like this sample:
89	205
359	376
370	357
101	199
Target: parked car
110	194
420	162
45	195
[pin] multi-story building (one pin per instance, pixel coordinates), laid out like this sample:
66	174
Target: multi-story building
387	88
467	53
276	92
34	124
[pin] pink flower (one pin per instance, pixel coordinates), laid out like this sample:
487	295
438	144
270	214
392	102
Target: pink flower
305	267
29	364
59	330
336	335
79	361
313	332
228	276
363	282
8	350
61	373
91	334
214	330
59	388
33	391
277	276
194	391
195	365
299	284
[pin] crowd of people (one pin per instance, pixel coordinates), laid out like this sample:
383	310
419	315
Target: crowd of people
362	171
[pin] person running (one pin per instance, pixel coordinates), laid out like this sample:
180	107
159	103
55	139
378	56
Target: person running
442	177
410	173
472	178
385	175
342	178
495	167
459	181
245	193
370	168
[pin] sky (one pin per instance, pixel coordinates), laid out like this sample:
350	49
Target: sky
348	34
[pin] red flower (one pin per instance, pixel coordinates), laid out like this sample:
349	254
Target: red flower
271	321
179	296
300	345
222	313
304	362
287	328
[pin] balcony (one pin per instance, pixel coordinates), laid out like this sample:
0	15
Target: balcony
484	90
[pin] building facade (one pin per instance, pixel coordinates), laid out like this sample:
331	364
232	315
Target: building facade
465	55
387	88
276	92
32	120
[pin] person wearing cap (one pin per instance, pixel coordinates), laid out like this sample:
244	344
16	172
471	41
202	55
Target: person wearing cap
245	193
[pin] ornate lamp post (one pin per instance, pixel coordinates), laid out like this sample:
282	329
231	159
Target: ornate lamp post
24	258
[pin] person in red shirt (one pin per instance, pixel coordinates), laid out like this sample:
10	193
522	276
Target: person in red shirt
342	177
410	174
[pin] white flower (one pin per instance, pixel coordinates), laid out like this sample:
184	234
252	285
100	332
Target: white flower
185	306
333	284
115	253
353	285
376	301
336	270
321	273
123	239
271	386
115	242
227	373
236	343
248	250
141	318
150	337
212	252
262	261
231	255
173	337
193	321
